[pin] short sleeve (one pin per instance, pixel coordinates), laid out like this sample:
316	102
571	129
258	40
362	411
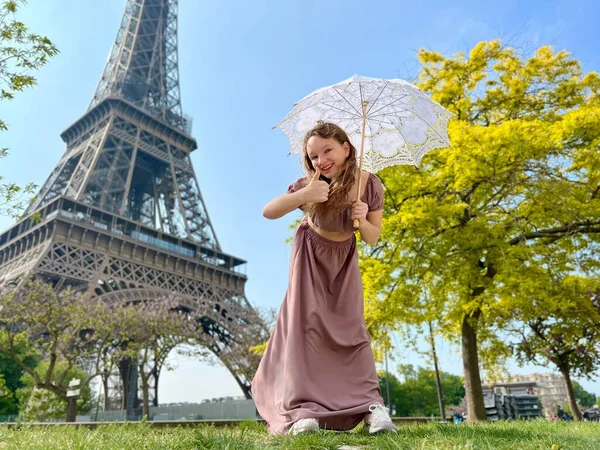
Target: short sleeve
296	185
375	194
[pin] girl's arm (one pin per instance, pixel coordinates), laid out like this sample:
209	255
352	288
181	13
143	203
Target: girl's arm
316	191
284	204
370	227
370	214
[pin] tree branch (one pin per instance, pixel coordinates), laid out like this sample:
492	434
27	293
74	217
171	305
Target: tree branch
558	232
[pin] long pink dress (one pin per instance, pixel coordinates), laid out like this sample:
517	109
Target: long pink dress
318	362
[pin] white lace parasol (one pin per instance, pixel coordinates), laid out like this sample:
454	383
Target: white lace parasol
390	122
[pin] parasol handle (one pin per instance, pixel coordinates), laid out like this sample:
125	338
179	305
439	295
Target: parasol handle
356	222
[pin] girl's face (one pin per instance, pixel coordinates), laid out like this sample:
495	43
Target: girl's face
327	154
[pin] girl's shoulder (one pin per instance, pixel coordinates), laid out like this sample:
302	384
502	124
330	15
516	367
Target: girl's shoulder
371	182
373	195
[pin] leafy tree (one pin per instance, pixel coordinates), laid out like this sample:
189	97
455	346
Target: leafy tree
21	53
389	380
42	404
64	328
11	374
584	398
416	395
565	331
520	182
8	403
165	327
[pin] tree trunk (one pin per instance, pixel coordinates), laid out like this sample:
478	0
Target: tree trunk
570	394
71	409
156	375
473	388
146	397
125	368
106	393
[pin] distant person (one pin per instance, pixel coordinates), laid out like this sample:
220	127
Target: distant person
318	370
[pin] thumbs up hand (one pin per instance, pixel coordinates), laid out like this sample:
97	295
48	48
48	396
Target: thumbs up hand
316	191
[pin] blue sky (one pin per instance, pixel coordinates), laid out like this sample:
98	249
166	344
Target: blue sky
242	67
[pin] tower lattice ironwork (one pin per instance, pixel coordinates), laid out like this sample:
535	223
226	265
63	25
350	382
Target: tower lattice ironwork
122	216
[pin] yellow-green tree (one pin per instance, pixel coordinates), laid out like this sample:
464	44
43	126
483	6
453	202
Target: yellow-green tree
520	182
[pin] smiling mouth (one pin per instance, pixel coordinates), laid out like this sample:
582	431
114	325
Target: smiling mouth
327	168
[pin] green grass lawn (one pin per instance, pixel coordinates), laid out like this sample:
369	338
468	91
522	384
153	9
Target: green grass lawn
508	435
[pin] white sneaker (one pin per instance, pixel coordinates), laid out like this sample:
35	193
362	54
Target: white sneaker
304	426
379	419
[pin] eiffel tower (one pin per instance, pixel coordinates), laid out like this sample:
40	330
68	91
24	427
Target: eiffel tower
122	216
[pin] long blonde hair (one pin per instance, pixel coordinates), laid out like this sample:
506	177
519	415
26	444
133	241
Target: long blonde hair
341	185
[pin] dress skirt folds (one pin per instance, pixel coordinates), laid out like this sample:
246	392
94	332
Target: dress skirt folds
318	362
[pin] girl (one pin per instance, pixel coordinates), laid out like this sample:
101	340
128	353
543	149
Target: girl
318	370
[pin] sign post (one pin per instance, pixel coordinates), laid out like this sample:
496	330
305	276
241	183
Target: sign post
72	395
